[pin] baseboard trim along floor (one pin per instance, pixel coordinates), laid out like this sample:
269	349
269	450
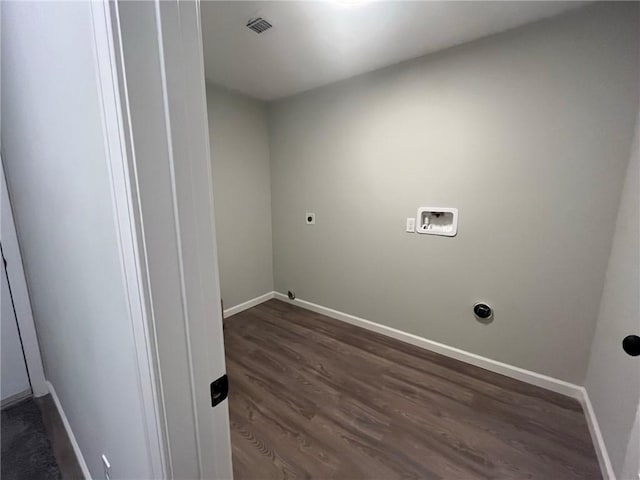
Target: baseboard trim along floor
15	398
556	385
559	386
550	383
228	312
596	436
67	427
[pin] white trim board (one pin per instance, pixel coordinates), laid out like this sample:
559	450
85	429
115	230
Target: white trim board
533	378
228	312
172	218
596	436
15	398
124	206
67	427
20	293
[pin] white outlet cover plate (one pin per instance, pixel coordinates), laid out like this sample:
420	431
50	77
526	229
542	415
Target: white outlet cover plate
411	225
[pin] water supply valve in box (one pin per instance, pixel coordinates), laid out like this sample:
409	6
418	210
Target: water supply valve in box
437	221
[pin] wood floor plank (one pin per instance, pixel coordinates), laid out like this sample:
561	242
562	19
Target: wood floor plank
313	397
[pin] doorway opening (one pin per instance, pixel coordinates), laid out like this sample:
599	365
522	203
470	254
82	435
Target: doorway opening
355	346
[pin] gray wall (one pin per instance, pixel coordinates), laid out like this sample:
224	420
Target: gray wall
612	374
527	133
239	138
54	155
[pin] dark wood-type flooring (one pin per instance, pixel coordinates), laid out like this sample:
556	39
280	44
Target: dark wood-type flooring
312	397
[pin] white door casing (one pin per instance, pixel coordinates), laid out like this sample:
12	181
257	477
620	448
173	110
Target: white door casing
14	378
124	205
20	293
184	80
160	156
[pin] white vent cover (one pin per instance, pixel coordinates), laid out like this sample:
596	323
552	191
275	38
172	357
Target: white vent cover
259	25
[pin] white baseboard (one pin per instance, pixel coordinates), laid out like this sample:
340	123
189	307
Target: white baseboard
596	437
15	398
544	381
549	383
67	427
248	304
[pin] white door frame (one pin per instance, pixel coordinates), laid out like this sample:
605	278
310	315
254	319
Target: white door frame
182	63
20	294
156	135
124	204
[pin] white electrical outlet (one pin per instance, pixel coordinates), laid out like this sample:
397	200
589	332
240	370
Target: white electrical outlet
310	218
106	467
411	224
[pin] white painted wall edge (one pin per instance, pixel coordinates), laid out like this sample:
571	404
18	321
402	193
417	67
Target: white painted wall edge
228	312
549	383
67	427
596	436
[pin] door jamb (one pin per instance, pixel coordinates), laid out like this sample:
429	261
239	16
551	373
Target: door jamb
179	44
125	201
20	294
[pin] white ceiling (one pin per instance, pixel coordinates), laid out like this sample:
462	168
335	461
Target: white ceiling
314	43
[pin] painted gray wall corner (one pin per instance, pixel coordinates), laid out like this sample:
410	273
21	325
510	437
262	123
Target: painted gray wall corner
612	379
239	138
526	132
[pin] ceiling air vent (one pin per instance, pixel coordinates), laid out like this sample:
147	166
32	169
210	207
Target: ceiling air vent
259	25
